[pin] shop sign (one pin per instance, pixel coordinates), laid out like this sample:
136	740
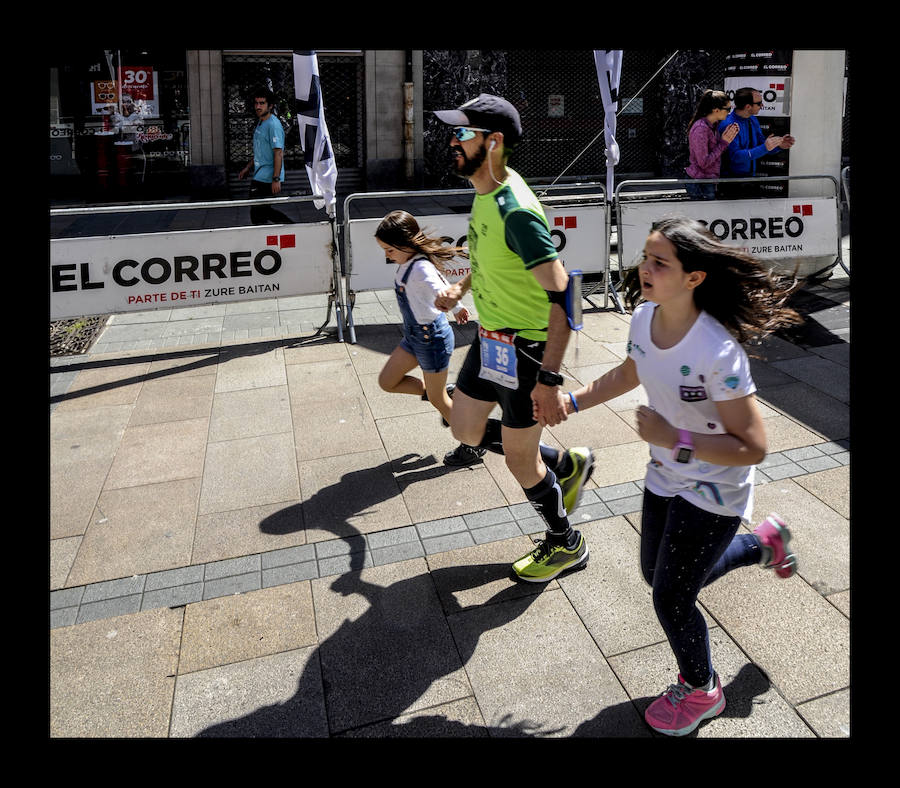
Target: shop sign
556	106
139	83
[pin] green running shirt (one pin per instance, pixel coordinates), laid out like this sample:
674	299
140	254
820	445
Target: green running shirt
508	236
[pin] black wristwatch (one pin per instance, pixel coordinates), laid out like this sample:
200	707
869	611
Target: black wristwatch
549	378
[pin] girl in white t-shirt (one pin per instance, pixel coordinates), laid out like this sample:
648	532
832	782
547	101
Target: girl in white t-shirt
427	336
700	300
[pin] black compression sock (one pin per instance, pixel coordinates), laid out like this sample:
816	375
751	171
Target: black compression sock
547	499
559	461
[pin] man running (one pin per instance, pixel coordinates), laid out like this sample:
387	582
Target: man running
519	287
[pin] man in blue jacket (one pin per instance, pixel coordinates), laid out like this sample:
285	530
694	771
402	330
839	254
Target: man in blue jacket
739	160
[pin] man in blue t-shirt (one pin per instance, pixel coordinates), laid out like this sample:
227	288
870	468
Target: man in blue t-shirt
741	155
267	164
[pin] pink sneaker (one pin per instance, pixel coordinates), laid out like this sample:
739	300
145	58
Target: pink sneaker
774	534
681	708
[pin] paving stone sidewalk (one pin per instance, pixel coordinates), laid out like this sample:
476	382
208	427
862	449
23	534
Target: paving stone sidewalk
250	538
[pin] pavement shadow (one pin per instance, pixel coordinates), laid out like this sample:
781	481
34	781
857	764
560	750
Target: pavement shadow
811	332
194	358
618	720
356	493
374	668
821	403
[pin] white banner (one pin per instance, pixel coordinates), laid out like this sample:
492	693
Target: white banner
773	229
578	232
775	90
127	273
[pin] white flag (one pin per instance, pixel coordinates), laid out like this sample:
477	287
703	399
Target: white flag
317	152
609	71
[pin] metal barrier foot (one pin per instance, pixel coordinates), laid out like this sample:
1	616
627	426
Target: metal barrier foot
615	297
351	301
320	329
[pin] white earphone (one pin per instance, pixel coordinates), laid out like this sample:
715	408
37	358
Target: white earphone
490	166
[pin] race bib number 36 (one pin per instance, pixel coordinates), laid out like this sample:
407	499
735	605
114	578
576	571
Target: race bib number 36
498	358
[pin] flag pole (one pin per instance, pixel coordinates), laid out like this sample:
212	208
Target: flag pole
318	158
609	72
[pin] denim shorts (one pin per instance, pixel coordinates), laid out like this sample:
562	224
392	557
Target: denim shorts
431	345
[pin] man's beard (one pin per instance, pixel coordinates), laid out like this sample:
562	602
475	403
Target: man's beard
470	166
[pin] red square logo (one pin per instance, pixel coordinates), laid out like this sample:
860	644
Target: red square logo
271	240
288	241
571	222
558	221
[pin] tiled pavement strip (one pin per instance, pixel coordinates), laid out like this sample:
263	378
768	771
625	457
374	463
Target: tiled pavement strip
173	338
182	585
175	587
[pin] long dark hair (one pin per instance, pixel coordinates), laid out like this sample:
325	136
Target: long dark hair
738	290
709	101
401	230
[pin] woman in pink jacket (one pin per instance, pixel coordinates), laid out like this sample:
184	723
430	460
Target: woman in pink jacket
706	146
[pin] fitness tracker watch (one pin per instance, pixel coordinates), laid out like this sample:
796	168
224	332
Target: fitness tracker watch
683	451
549	378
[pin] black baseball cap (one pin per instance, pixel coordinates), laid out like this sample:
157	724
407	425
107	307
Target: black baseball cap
486	112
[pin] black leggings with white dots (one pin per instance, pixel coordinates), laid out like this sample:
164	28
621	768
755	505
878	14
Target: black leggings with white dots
683	549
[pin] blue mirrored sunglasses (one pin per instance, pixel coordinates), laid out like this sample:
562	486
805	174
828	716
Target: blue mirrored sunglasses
463	133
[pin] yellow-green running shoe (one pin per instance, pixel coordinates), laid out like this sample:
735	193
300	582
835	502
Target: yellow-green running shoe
547	560
573	484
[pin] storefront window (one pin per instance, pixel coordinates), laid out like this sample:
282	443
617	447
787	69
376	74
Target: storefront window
119	126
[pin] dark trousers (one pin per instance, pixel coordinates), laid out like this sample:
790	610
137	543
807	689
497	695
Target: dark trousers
263	214
739	191
698	190
683	549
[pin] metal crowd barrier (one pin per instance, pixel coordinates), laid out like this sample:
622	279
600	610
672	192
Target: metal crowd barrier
845	182
592	258
179	206
661	190
67	256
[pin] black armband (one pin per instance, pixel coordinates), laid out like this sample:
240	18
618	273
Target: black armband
557	297
569	299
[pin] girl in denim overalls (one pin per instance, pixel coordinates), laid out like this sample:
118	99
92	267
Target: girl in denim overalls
427	336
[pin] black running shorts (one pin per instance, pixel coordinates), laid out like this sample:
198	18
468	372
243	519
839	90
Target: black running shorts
515	404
